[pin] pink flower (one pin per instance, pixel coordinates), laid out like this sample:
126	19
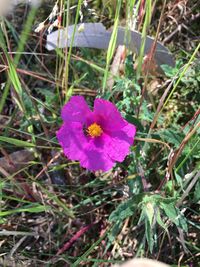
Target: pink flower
96	138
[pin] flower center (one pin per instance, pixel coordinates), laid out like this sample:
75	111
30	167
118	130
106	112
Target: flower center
94	130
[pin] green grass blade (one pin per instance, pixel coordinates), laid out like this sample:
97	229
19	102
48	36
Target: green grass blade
33	209
148	9
112	44
16	142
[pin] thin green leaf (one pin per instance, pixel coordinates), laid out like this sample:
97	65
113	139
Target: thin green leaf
160	221
149	235
149	210
112	44
33	209
170	211
16	142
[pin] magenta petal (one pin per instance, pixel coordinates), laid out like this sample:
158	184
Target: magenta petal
108	115
130	131
76	110
73	140
97	161
117	144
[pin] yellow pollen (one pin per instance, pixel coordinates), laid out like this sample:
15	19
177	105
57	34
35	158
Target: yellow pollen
94	130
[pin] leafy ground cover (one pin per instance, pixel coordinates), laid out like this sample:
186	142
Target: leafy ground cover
53	212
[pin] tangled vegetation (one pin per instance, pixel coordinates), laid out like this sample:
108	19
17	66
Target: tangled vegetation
53	211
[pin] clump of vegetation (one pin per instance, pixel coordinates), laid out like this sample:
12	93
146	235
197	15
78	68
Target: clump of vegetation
61	210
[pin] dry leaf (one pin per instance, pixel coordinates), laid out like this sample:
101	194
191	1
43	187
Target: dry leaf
16	160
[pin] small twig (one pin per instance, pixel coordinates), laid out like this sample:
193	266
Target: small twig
4	172
151	140
169	37
182	145
17	245
74	238
189	188
17	233
161	103
143	179
48	164
151	58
